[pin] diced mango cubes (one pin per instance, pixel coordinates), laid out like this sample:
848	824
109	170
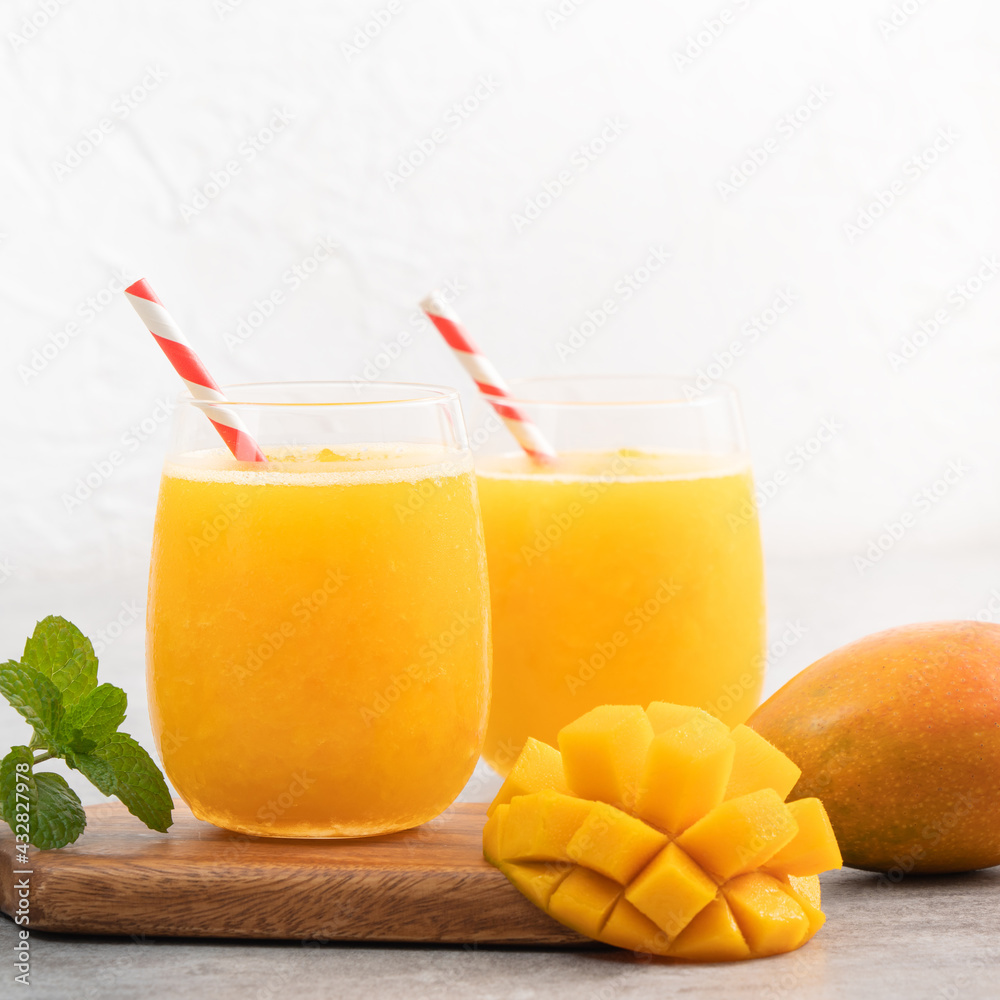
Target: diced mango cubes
739	835
759	765
813	848
583	901
613	843
491	833
686	770
771	920
539	827
712	936
664	832
671	890
603	753
805	890
626	927
538	768
538	881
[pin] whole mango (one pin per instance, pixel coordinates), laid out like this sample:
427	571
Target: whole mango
899	734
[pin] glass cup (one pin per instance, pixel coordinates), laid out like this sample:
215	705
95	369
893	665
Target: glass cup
318	647
630	569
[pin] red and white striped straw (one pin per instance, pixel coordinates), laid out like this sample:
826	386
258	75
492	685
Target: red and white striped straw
188	365
487	378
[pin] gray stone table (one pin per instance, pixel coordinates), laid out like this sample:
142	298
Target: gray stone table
932	937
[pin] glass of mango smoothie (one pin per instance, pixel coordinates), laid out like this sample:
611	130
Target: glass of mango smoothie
318	648
628	569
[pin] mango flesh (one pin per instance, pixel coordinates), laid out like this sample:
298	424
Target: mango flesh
899	734
686	770
759	765
538	768
540	826
813	848
603	752
640	847
741	834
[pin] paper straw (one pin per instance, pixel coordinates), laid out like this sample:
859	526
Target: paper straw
488	380
188	365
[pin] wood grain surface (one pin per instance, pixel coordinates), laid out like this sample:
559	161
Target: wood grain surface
430	884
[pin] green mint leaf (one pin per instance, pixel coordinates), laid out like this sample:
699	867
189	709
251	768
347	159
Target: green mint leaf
60	651
93	719
96	770
55	689
35	697
121	767
41	805
9	781
60	818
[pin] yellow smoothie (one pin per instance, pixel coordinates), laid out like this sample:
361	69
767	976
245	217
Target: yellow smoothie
318	637
619	578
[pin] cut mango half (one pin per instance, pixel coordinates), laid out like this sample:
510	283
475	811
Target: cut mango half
664	832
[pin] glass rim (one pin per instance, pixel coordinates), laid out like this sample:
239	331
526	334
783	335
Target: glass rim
719	390
415	394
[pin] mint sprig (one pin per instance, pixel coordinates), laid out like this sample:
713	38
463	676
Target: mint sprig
54	687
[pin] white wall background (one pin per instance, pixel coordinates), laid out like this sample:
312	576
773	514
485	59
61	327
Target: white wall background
179	92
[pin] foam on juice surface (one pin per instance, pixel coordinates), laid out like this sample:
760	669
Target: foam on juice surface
343	465
623	465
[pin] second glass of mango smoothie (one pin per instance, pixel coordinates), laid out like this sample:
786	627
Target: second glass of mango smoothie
628	569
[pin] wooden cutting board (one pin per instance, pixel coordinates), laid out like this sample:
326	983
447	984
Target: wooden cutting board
430	884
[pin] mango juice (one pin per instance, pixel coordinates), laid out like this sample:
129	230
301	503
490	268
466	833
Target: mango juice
318	637
619	578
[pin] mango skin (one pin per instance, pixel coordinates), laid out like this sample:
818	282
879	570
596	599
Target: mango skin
899	734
